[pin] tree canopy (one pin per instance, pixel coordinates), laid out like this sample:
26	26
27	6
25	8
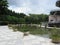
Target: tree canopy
36	18
3	6
58	3
12	17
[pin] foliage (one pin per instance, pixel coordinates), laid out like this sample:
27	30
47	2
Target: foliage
12	17
55	35
58	3
36	18
3	6
32	29
32	19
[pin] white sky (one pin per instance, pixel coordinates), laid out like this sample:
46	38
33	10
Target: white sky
32	6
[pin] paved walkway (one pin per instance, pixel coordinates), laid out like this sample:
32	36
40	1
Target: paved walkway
8	37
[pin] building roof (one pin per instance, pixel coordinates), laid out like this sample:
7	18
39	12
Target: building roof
55	12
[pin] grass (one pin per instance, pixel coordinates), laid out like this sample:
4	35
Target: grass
54	33
32	29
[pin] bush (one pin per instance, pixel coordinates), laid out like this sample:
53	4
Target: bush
3	23
55	35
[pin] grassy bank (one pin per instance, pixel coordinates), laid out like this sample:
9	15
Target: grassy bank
33	29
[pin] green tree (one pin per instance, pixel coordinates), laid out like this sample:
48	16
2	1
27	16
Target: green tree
3	6
58	3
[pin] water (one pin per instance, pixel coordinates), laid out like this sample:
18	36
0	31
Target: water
8	37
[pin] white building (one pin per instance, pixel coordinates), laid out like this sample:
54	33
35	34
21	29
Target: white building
54	18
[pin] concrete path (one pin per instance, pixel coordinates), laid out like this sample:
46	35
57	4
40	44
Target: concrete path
8	37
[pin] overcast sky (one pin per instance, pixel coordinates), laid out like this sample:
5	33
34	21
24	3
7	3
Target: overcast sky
32	6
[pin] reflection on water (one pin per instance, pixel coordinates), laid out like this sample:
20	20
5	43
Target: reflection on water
8	37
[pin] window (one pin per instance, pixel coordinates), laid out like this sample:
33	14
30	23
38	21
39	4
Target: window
51	20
